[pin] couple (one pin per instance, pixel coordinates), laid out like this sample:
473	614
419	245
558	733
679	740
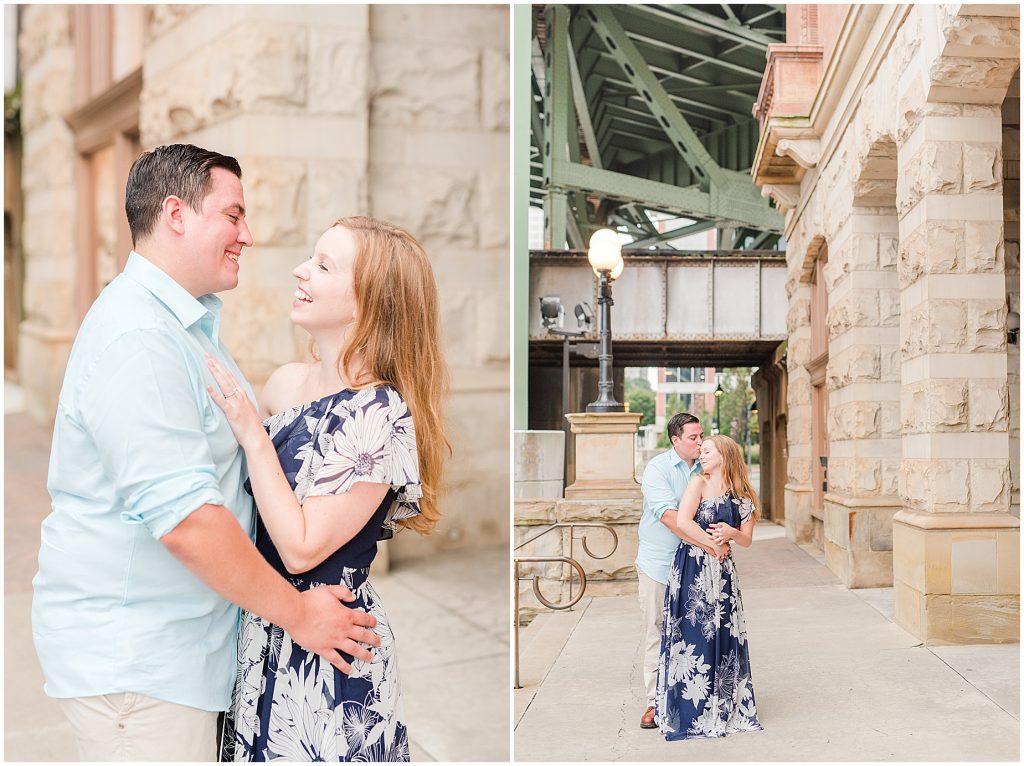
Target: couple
696	664
159	451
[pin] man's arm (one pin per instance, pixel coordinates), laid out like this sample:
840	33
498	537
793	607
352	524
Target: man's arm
216	550
142	404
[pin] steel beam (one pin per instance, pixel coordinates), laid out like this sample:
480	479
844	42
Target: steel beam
521	90
709	23
659	102
627	188
557	103
693	228
583	110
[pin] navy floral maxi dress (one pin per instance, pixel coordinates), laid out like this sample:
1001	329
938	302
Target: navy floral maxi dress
704	686
290	704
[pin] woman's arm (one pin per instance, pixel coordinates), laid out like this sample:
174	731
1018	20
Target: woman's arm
304	534
690	530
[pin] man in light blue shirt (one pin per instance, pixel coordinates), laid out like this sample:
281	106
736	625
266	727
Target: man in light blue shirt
147	549
665	479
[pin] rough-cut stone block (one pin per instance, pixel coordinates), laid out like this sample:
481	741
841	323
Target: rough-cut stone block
798	315
888	248
989	482
989	405
47	90
855	420
798	470
494	101
161	18
944	248
986	325
335	190
43	28
891	474
260	66
935	485
493	210
441	212
889	307
889	358
338	73
275	193
935	327
858	309
984	248
982	167
425	86
911	257
947	404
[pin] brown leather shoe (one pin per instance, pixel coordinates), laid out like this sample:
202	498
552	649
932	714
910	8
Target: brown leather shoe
647	720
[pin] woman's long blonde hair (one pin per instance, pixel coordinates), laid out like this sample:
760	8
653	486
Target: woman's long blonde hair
396	338
734	471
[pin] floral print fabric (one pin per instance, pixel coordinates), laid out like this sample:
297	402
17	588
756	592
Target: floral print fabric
288	704
704	684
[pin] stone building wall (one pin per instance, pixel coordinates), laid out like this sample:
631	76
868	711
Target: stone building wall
332	110
908	156
47	183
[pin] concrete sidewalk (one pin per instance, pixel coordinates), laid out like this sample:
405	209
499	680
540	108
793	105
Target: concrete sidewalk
449	613
835	679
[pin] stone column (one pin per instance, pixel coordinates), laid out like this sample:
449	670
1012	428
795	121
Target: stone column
955	544
48	163
799	496
863	382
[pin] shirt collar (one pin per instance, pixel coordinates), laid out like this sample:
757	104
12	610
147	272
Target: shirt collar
678	462
187	309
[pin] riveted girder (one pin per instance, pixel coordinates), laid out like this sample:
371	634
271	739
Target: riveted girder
659	98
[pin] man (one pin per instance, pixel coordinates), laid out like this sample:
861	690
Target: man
665	479
148	544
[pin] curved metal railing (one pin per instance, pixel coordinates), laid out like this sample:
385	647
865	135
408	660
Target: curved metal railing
572	562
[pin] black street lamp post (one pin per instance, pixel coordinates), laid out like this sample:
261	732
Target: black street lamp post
718	406
605	256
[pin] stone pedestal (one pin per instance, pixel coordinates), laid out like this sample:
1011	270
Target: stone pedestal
957	578
604	455
858	539
539	463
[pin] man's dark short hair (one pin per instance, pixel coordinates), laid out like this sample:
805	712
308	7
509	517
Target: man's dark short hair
179	170
678	422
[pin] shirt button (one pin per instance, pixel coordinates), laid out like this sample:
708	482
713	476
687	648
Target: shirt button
120	725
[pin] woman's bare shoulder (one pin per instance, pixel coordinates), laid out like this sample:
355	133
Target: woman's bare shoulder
281	385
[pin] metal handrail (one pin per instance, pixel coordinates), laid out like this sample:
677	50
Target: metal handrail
586	549
553	559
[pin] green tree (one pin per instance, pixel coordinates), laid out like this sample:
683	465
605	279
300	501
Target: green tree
641	401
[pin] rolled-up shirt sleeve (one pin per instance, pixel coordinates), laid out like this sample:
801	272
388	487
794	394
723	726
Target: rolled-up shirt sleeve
659	494
140	405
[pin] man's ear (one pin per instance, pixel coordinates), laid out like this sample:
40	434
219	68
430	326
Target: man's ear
172	213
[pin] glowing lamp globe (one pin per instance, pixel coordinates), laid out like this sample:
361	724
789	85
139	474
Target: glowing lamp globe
605	251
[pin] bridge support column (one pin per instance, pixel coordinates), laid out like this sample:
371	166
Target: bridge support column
955	543
863	428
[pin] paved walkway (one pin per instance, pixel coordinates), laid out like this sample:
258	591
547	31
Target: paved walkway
449	613
835	679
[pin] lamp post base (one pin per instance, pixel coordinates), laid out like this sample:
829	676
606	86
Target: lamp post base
611	406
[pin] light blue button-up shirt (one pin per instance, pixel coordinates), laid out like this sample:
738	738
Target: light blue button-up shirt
665	480
137	446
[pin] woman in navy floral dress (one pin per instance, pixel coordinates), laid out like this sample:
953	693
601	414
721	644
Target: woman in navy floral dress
704	683
335	466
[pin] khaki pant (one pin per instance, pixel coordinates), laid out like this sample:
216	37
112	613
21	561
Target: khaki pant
652	603
133	727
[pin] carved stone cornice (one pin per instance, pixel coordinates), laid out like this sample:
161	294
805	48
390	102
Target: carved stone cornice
805	151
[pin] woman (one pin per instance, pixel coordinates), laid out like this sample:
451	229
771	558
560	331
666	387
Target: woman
338	465
704	686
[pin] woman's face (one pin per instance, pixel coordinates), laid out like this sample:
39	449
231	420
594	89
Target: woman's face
710	457
325	298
